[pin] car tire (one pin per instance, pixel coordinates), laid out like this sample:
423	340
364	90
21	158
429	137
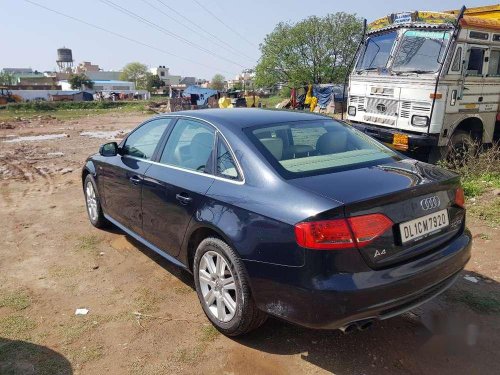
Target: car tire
212	291
93	203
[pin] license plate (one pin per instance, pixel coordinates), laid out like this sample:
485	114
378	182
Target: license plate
423	226
400	142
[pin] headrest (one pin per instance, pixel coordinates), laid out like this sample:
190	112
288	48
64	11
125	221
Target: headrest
274	145
332	143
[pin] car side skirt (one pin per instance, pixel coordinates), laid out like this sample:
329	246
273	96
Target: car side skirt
146	243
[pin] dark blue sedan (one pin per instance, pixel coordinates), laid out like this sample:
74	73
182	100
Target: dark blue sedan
290	214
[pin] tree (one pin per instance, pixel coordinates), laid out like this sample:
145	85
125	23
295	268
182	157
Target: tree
153	82
79	81
137	73
238	85
314	50
218	82
6	78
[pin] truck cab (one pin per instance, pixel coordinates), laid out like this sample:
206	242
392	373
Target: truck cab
428	82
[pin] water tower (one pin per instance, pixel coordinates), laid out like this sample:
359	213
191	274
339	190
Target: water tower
64	59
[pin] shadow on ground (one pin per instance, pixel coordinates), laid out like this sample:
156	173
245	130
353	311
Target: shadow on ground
25	358
456	333
448	335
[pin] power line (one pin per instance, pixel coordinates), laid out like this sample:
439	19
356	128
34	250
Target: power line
121	36
217	43
166	32
205	31
222	22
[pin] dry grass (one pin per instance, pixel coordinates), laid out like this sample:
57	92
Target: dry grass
16	327
479	170
478	167
18	300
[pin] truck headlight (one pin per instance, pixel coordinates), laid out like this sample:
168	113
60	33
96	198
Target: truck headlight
351	110
419	120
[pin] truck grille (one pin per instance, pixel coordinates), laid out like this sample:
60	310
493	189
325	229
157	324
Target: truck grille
358	102
408	107
387	107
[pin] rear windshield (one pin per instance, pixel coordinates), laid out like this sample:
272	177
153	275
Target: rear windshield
306	148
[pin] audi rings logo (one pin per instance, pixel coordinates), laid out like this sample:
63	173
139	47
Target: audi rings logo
430	203
381	107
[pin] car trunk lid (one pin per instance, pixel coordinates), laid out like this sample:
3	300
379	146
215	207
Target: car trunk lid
418	198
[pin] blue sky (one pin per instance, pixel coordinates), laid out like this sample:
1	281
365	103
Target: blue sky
32	35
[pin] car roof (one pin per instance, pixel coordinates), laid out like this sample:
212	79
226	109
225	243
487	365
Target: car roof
245	117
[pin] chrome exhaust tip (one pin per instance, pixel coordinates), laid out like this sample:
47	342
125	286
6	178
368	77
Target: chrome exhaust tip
364	324
348	328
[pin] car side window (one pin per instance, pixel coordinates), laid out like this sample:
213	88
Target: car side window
142	142
190	145
226	167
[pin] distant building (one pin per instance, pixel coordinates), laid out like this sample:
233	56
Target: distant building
95	73
104	76
246	79
86	67
105	85
188	81
15	71
165	76
28	79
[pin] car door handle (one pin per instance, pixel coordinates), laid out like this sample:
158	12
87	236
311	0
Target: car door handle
136	180
183	198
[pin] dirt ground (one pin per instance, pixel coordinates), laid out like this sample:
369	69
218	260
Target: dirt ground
52	261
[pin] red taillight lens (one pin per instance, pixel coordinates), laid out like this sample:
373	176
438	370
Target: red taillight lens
338	233
460	197
368	227
324	235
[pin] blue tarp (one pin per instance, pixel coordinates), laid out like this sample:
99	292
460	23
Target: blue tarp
327	93
203	94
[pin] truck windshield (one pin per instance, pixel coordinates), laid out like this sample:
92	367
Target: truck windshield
376	52
420	51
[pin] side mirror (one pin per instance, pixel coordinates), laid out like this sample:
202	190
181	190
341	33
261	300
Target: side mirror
109	149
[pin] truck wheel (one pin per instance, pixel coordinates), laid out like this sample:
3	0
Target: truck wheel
461	144
457	150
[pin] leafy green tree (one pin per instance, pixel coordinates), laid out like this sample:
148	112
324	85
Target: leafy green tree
137	73
314	50
153	82
79	81
217	82
238	85
6	78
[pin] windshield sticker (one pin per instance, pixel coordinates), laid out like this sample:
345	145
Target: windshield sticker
402	18
428	34
395	19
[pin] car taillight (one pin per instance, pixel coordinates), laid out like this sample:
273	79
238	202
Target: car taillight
324	235
341	233
368	227
460	197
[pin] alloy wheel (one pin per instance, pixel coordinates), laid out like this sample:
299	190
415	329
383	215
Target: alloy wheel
91	201
218	286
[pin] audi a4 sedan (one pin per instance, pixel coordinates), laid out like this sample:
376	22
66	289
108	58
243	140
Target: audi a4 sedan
288	214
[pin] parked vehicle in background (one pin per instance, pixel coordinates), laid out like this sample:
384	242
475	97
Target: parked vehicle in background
6	96
429	82
291	214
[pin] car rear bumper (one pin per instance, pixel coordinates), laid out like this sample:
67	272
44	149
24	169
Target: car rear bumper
316	300
386	135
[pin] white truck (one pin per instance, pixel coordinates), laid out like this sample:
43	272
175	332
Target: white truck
429	82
